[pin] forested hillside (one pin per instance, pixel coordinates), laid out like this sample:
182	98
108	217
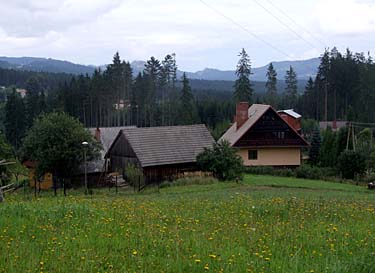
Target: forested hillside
344	88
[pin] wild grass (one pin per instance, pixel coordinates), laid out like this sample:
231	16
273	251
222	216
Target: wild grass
264	224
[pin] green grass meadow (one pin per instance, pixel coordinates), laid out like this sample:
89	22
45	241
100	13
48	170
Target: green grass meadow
264	224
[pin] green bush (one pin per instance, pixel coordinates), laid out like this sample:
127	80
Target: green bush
189	181
351	163
309	172
284	172
134	175
313	172
260	170
222	160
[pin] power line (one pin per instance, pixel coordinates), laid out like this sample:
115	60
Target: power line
295	23
286	25
245	29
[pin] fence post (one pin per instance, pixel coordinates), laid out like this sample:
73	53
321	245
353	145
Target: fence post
64	186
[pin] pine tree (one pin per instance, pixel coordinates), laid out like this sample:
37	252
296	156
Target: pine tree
271	88
322	83
152	73
308	100
328	150
15	119
139	100
115	79
291	88
34	88
188	109
167	85
315	147
243	88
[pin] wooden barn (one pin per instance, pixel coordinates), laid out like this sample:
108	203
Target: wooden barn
161	152
264	138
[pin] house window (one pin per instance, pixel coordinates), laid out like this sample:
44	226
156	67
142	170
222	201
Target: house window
253	154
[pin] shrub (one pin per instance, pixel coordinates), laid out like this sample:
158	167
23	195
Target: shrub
222	161
351	163
268	170
260	170
284	172
189	181
309	172
134	175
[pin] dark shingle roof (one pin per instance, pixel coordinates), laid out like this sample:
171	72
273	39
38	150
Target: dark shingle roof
108	135
168	144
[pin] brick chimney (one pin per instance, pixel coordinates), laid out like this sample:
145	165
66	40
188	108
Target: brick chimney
241	113
97	134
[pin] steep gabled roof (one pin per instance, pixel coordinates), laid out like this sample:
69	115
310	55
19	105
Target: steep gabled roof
108	135
167	144
255	112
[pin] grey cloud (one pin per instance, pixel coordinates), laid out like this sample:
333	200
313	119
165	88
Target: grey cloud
33	18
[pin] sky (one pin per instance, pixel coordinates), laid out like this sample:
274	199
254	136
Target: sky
202	33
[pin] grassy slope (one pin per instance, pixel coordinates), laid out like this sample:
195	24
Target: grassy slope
290	182
297	226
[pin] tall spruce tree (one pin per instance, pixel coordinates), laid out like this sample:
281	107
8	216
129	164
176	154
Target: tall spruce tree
167	86
115	78
308	100
271	88
152	72
243	88
15	119
315	147
33	105
188	110
291	88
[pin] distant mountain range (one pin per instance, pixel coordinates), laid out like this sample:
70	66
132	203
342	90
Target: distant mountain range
304	68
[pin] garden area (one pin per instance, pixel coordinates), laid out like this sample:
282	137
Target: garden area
262	224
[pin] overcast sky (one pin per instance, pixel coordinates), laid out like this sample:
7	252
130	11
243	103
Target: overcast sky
202	35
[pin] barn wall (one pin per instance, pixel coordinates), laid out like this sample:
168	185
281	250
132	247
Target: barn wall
121	155
122	148
120	163
157	174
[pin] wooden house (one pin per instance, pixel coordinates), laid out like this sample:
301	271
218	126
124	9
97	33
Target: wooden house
264	138
161	152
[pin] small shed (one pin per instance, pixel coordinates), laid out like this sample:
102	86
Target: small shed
161	152
45	182
292	118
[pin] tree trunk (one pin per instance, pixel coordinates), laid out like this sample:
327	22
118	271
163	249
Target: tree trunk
1	195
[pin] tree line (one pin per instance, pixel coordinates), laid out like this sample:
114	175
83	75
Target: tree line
342	89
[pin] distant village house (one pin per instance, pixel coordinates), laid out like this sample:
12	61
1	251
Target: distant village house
264	137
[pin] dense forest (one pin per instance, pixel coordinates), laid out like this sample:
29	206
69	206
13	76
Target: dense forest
343	89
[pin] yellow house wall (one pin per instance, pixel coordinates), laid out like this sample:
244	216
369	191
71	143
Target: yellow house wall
46	183
273	157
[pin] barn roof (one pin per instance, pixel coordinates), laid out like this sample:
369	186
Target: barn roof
108	135
167	144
